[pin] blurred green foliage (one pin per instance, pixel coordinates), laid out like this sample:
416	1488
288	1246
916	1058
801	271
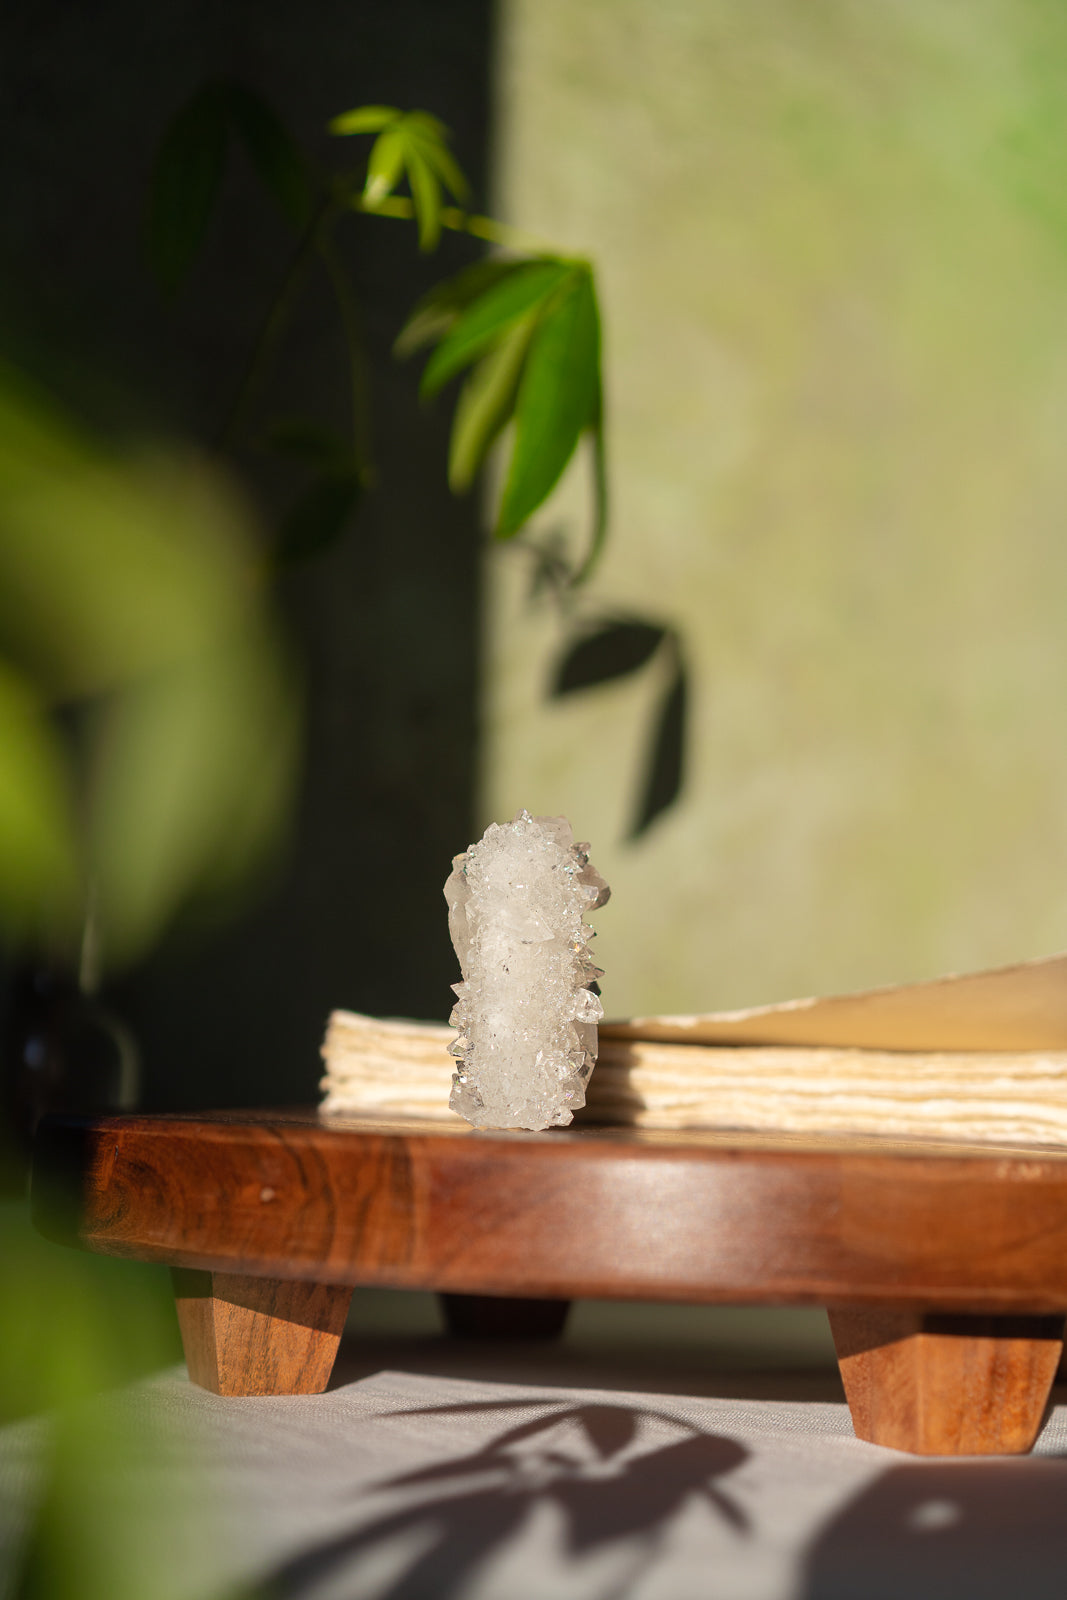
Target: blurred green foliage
147	724
74	1325
73	1328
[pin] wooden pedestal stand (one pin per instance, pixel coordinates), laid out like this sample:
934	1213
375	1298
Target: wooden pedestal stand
944	1270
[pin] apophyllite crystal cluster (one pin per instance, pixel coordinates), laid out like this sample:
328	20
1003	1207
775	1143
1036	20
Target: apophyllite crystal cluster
526	1014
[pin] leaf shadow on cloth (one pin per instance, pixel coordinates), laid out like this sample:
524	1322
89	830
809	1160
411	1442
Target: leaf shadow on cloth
616	1475
928	1530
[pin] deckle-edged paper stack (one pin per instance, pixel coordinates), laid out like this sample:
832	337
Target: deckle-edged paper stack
979	1057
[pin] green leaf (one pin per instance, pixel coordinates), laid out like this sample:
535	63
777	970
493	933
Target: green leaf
430	127
485	402
319	517
441	161
411	144
435	313
487	317
185	182
665	772
557	399
426	194
385	165
365	119
613	651
273	152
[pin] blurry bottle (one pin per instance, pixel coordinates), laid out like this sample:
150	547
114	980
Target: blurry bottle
62	1051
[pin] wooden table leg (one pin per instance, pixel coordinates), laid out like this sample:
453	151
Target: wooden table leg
491	1316
246	1336
941	1385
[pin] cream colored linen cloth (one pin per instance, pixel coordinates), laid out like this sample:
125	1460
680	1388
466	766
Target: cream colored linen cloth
464	1474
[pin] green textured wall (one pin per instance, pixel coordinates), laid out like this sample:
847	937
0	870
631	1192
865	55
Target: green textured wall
832	242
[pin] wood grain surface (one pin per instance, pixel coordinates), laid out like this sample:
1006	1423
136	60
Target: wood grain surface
259	1335
944	1385
566	1214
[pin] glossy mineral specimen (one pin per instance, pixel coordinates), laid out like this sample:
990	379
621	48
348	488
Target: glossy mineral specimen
525	1012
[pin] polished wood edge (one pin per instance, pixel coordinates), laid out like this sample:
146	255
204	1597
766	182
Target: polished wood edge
937	1384
373	1208
319	1125
67	1144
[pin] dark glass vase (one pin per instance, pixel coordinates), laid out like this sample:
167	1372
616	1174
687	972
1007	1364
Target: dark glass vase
62	1051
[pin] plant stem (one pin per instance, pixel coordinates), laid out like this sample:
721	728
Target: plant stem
259	357
403	210
357	358
600	505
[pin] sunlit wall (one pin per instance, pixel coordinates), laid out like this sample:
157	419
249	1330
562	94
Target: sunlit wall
832	246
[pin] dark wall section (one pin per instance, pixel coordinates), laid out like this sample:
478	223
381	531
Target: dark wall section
386	625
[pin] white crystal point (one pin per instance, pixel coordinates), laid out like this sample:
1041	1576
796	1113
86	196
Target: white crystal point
525	1012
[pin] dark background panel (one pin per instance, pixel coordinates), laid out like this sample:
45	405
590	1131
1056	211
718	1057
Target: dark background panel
383	628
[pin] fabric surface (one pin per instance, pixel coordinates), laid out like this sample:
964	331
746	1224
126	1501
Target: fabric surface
461	1470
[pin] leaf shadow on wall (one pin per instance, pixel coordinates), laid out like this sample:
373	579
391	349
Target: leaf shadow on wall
619	647
616	1475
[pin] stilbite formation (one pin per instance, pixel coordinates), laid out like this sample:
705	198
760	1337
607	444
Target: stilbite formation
525	1011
